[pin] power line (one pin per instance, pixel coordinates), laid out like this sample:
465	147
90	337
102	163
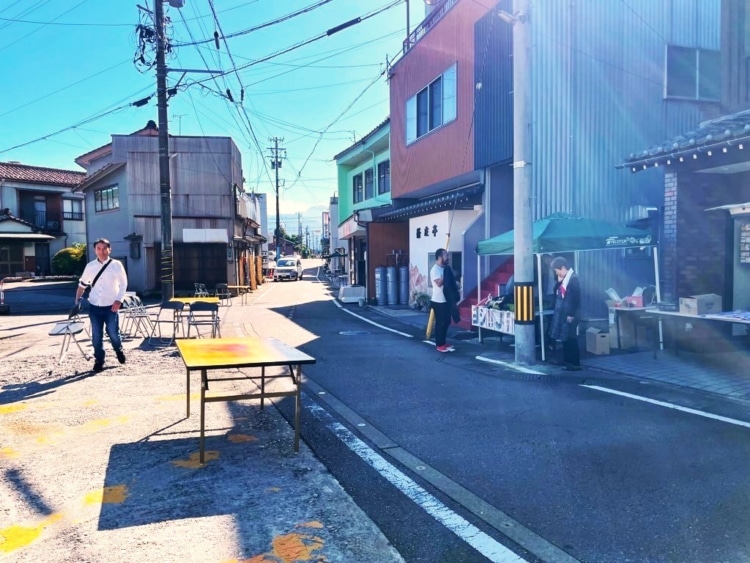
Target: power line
83	122
42	26
327	33
261	26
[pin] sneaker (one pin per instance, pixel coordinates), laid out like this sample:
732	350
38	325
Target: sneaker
98	367
120	356
443	348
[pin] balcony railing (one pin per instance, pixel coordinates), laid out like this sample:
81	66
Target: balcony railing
73	215
43	220
428	23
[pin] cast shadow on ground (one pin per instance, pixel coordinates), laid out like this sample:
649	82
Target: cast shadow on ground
159	478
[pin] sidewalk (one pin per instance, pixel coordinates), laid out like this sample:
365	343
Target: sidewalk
104	467
720	373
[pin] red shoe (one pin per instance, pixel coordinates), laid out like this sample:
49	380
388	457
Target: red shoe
443	348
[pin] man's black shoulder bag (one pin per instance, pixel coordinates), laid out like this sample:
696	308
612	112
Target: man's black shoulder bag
87	291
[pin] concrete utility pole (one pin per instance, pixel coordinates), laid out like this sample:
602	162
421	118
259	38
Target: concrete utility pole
276	164
167	263
523	257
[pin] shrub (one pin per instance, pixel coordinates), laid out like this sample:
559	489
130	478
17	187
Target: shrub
70	261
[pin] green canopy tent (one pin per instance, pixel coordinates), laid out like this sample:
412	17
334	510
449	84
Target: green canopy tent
565	233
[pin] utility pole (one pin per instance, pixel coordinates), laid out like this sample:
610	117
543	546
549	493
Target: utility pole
276	164
167	263
523	257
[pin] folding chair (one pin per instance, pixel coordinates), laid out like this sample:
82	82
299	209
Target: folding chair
177	308
68	329
137	317
204	314
200	290
224	295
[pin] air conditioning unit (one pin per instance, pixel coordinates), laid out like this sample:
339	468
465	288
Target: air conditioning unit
53	225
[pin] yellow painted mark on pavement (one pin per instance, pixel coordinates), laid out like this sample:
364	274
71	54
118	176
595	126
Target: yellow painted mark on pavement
292	548
91	403
8	453
193	462
274	489
16	537
108	495
239	438
8	409
103	423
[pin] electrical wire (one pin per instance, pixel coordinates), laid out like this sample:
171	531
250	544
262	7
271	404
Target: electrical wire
65	87
318	37
261	26
42	26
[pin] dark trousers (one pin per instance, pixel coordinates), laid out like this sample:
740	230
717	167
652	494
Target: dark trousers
442	321
103	318
571	352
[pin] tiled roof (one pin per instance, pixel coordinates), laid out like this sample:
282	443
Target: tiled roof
723	133
39	175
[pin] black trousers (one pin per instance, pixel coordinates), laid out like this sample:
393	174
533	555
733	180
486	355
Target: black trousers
442	321
571	351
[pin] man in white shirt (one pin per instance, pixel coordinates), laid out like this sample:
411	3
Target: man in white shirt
438	302
107	293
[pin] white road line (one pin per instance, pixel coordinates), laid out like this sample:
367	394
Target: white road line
371	322
671	406
476	538
509	365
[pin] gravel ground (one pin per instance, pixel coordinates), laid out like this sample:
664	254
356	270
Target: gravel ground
103	467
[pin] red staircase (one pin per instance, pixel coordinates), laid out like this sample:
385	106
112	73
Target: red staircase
490	285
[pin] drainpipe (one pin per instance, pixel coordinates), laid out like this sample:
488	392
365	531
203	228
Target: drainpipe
367	227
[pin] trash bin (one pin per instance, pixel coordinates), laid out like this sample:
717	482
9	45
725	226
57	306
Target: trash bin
380	285
392	276
403	285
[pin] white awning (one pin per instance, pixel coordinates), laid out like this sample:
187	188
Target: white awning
734	208
25	236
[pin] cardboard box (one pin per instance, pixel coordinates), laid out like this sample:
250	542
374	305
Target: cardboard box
700	304
597	342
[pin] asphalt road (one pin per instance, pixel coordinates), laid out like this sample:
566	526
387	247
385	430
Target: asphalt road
567	466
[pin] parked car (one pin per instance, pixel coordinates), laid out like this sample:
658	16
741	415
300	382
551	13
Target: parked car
288	268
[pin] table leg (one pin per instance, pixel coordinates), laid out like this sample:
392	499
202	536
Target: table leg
187	398
297	408
204	376
262	387
619	329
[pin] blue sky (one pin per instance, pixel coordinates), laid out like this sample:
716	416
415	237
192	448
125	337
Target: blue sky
68	61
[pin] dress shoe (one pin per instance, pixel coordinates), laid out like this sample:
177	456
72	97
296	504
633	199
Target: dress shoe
98	367
120	356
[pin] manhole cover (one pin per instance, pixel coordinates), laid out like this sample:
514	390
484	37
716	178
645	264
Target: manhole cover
353	332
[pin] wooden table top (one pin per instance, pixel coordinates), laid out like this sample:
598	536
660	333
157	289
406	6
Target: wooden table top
239	352
190	300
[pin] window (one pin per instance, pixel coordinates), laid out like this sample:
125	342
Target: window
73	209
369	188
357	188
431	107
107	198
693	74
384	177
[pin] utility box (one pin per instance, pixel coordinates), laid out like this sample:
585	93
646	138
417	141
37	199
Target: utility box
597	342
705	304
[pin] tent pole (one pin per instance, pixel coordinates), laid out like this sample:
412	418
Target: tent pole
657	282
541	305
479	293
